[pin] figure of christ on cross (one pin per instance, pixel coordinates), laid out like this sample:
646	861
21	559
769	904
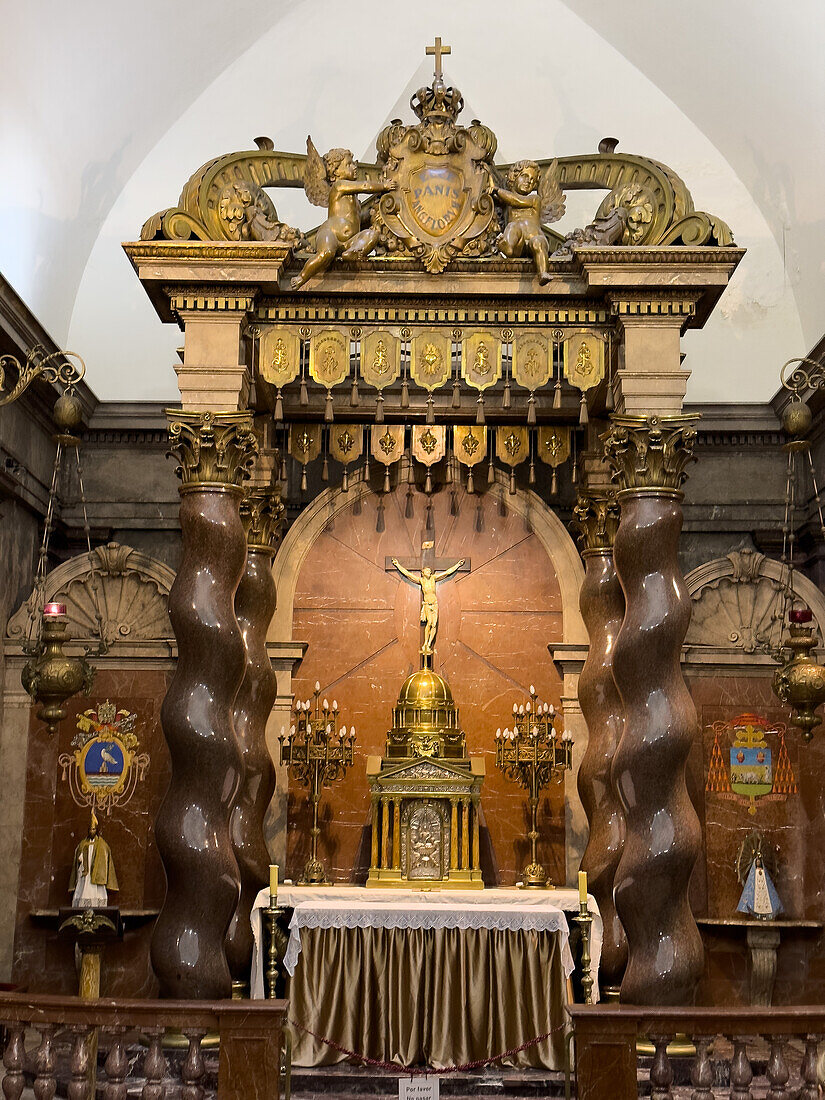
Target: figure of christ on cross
427	579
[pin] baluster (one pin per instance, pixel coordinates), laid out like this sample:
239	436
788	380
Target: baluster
78	1087
13	1057
154	1067
741	1073
116	1066
810	1088
44	1063
193	1068
701	1074
777	1070
661	1072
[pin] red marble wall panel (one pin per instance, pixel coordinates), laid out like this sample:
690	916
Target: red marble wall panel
795	826
361	624
53	826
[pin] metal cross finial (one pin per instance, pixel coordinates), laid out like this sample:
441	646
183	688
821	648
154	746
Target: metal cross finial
437	51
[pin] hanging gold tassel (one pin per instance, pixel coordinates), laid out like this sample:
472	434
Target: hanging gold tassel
531	409
554	483
386	479
430	409
583	409
283	467
379	409
303	479
405	394
379	522
428	484
304	394
512	480
505	403
491	477
325	470
480	409
456	395
531	480
345	480
354	396
609	401
470	483
367	467
328	408
429	525
557	395
279	407
408	508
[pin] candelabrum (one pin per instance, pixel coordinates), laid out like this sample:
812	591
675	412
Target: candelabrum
534	753
317	753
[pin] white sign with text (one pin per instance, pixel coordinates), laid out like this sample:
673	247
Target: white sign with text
418	1088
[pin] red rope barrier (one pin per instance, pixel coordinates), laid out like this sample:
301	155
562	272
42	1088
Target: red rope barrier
428	1072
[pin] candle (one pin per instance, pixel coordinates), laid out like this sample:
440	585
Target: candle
317	687
273	881
54	610
583	887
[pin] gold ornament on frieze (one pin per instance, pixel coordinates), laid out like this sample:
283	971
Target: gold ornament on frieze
481	360
380	358
648	454
429	443
329	357
262	512
470	443
213	449
553	445
596	521
531	360
512	445
431	359
279	355
304	442
387	442
583	352
345	443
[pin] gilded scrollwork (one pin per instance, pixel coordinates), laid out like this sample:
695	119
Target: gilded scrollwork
247	213
650	453
212	448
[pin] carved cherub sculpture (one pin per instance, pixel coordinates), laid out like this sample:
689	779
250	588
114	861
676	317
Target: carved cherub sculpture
331	181
533	197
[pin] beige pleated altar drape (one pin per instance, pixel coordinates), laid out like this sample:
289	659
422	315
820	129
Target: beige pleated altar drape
440	997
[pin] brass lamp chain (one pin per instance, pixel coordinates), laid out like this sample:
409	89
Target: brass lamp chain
43	555
93	573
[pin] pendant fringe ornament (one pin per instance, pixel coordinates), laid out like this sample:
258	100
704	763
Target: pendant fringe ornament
456	394
386	479
554	482
480	409
303	479
531	409
279	407
304	395
512	481
470	483
557	395
345	480
379	409
328	417
583	418
408	506
405	394
505	401
325	469
430	409
354	396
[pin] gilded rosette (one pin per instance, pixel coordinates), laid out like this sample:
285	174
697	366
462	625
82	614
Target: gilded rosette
262	512
212	449
596	519
481	360
531	360
470	443
583	353
279	355
329	357
387	443
380	358
429	443
345	443
553	445
648	454
512	445
431	359
305	442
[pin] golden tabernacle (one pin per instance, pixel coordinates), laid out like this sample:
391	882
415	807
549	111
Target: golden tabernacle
425	792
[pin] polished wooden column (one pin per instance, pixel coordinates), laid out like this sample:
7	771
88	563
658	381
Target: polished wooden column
648	456
261	512
596	516
215	451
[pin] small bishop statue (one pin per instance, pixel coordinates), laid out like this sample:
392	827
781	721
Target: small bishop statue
759	898
93	870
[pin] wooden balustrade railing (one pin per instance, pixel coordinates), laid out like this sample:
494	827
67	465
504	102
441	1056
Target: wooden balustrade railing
249	1060
607	1063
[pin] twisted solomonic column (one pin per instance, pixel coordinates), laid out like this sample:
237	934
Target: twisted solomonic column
602	607
261	514
215	451
648	456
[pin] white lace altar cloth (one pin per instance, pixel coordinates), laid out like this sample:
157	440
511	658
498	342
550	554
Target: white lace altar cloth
357	907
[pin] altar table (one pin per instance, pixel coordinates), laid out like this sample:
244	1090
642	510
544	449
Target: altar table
440	977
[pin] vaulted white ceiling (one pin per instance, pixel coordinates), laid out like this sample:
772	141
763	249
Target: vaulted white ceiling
108	108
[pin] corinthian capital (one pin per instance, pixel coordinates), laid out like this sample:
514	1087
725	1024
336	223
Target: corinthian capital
649	453
596	519
262	511
212	449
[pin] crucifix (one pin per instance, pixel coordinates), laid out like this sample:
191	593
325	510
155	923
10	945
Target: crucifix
437	51
431	570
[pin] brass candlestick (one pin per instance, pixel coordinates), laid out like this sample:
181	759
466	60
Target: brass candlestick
534	753
584	920
316	754
275	947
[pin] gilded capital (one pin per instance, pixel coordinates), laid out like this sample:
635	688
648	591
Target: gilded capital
648	454
213	449
596	519
262	512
